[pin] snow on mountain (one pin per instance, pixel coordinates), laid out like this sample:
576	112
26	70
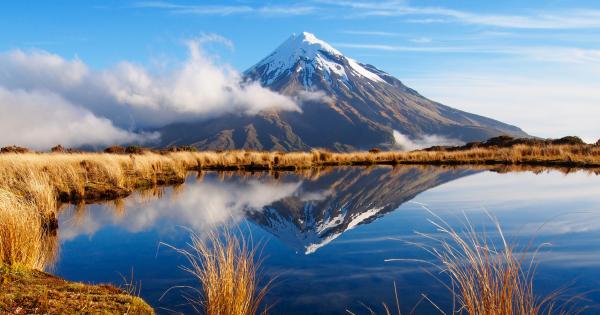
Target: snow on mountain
306	53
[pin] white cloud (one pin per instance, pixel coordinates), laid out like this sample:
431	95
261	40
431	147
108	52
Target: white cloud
269	10
200	206
403	142
313	96
565	19
127	96
44	119
371	33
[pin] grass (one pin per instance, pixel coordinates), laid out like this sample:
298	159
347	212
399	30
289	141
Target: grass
78	176
38	182
24	242
32	185
487	277
36	292
227	270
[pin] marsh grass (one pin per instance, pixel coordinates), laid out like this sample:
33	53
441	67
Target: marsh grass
487	277
23	241
227	269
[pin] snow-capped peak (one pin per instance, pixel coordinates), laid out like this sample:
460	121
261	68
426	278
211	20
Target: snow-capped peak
306	53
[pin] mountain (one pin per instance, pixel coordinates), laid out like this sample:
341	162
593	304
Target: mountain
326	207
345	105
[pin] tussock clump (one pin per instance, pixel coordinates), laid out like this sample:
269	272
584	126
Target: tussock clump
488	277
227	270
22	241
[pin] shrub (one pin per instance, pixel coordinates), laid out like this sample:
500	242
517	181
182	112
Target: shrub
14	149
570	140
500	141
187	148
471	145
135	149
115	149
58	149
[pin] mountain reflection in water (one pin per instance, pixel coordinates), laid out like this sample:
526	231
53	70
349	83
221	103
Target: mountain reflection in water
304	212
327	232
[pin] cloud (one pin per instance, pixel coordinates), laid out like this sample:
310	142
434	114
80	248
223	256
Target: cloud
198	88
126	96
43	119
200	206
565	19
371	33
403	142
313	96
270	10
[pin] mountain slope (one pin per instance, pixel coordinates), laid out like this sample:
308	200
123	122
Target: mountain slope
345	105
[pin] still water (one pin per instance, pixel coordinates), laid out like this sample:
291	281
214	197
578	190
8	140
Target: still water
327	234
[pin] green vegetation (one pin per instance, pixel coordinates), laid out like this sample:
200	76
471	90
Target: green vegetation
26	291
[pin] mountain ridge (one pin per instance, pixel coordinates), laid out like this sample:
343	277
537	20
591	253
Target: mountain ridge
346	105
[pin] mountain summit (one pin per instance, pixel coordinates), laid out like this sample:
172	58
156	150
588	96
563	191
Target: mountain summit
346	105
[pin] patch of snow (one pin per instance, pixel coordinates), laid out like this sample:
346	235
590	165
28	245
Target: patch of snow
307	53
360	70
363	216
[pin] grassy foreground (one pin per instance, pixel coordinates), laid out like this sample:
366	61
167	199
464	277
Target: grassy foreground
36	292
32	186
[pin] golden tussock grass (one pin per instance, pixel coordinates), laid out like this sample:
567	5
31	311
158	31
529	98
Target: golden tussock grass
487	277
41	180
227	269
23	240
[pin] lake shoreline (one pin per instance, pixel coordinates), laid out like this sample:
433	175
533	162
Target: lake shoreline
94	177
34	185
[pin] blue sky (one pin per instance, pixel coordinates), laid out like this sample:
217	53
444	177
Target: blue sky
534	64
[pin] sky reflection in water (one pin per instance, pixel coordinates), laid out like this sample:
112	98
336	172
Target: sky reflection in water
327	236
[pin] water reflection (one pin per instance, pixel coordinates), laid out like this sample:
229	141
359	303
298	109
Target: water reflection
198	205
306	213
348	221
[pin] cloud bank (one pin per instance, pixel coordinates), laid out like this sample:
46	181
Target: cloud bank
40	119
46	99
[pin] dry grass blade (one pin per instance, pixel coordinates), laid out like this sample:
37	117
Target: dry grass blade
23	241
487	277
227	269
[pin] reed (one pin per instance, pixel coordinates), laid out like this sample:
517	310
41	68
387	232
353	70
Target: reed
488	277
227	269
